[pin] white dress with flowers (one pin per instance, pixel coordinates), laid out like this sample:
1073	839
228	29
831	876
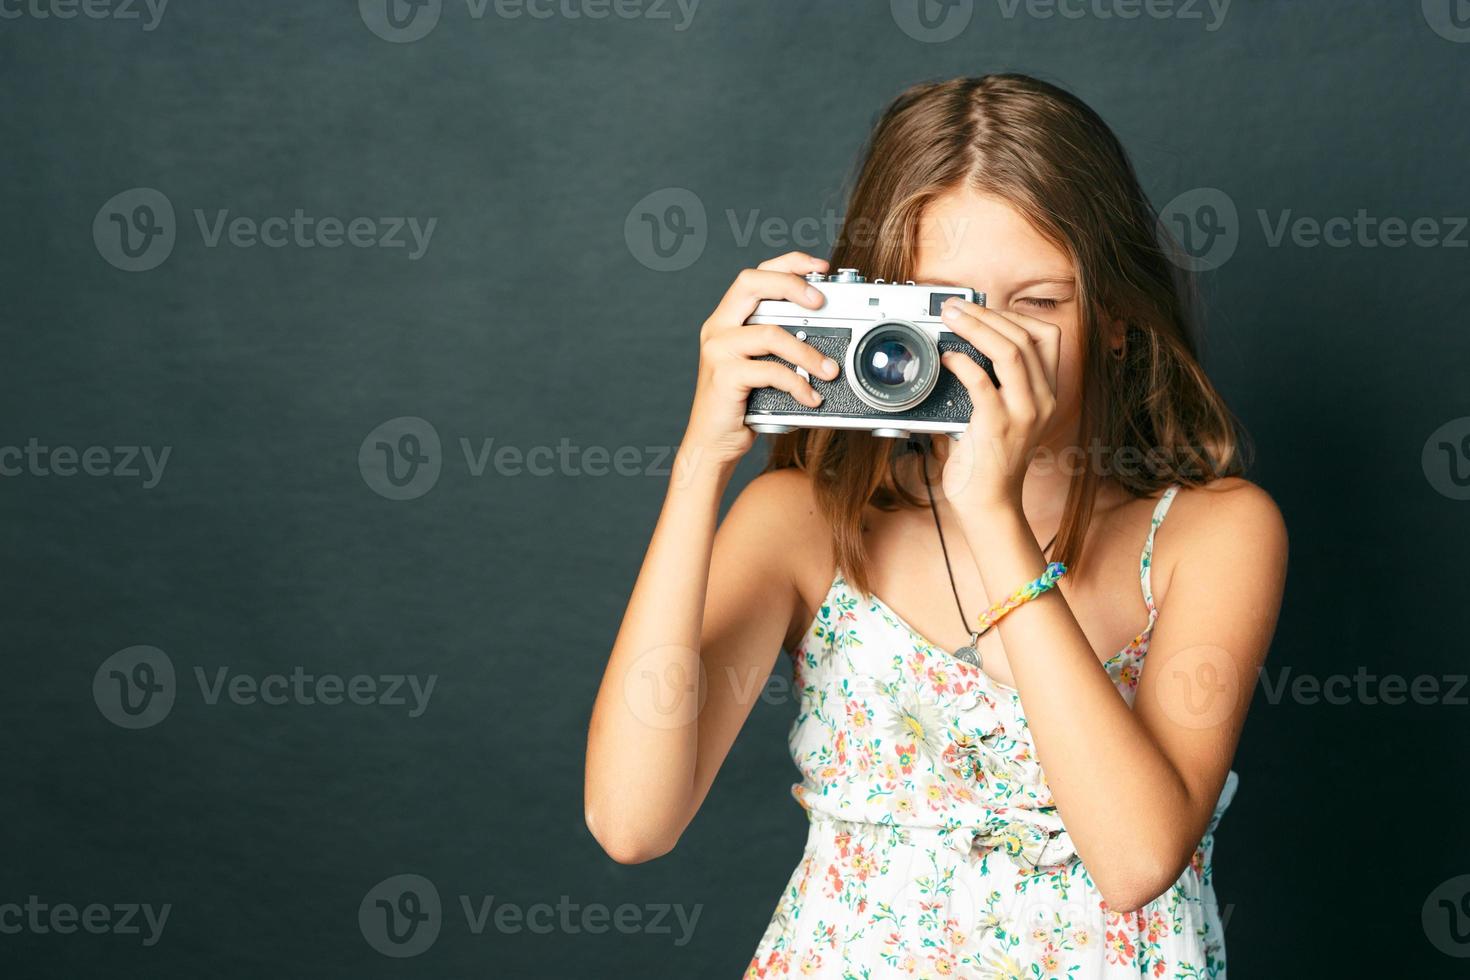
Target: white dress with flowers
935	848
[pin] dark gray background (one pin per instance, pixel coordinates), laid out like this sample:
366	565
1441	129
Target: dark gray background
531	320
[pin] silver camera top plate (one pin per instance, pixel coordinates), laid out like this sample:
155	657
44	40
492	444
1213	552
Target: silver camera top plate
851	297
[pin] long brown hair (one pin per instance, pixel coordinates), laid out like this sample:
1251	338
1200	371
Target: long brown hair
1053	158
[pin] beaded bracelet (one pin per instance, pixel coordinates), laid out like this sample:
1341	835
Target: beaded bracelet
1025	593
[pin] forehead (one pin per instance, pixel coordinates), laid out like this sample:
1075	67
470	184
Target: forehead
971	238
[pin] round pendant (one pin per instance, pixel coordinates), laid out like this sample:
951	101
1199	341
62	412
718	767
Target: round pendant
968	654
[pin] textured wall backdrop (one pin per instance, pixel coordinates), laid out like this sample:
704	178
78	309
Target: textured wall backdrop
344	345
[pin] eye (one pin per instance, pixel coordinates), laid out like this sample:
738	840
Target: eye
1040	303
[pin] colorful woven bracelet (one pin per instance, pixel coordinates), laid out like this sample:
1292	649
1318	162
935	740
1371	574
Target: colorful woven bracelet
1024	594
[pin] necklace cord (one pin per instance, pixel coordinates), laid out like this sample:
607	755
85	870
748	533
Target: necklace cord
934	509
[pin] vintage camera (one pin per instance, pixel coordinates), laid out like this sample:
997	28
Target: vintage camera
887	338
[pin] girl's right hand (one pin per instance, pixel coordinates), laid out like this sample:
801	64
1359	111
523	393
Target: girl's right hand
727	346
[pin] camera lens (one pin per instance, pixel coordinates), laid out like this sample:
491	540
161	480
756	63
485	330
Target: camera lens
894	366
890	363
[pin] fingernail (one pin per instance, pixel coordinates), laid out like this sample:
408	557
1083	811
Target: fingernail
816	398
951	310
814	294
829	367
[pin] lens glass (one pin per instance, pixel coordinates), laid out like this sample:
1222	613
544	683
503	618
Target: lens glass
895	366
890	362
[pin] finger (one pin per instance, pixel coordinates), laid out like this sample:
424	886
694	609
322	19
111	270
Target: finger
1023	340
1006	357
754	285
756	339
746	376
984	396
798	262
1046	338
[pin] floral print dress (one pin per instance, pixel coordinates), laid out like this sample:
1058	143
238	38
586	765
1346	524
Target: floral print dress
935	848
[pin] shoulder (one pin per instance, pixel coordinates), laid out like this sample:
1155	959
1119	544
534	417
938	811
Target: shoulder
1230	521
1227	507
779	518
777	489
781	505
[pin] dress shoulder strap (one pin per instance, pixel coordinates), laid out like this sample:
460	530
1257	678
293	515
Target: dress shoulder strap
1146	561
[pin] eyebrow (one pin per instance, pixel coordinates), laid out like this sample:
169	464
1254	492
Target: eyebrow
1043	281
1048	281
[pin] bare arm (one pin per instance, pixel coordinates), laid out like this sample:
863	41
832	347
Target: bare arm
709	610
1135	787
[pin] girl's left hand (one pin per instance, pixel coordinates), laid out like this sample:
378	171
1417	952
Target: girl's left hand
987	465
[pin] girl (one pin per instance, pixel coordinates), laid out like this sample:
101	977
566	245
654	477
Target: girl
998	784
